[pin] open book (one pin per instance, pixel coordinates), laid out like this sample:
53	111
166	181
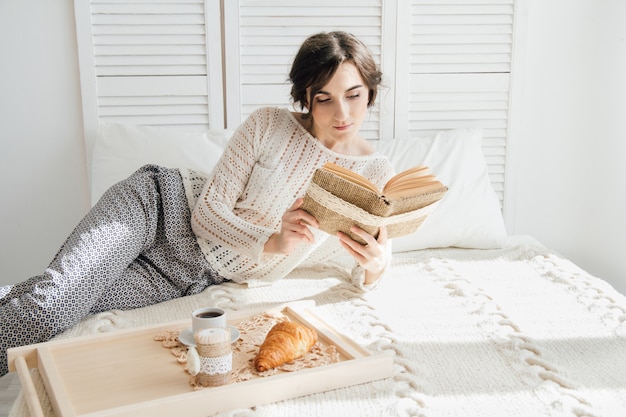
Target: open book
339	198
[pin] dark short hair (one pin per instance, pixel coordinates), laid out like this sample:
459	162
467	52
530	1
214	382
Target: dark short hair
318	59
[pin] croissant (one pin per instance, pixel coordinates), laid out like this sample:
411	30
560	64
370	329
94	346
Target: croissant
285	342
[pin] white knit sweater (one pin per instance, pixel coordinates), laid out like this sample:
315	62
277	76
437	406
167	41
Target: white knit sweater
266	166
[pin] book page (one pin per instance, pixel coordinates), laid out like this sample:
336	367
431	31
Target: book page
413	181
350	176
411	175
408	189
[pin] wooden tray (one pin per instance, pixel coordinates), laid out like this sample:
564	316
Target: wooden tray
127	373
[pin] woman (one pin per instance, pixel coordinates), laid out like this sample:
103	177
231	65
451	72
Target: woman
149	239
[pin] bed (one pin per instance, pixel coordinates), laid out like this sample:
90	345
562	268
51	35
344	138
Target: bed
478	322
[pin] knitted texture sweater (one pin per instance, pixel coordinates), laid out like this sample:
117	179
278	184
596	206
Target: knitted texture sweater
266	166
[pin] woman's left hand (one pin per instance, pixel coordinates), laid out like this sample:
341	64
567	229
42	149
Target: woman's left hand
372	255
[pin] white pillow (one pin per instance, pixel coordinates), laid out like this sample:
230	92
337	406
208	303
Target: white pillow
122	149
469	215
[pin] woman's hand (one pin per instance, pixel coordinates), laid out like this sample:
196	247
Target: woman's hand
372	256
294	230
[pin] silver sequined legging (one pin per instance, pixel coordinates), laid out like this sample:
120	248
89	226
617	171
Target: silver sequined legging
134	248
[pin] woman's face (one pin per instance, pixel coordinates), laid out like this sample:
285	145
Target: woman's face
340	107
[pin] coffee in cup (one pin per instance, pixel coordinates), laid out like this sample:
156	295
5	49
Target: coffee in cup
207	317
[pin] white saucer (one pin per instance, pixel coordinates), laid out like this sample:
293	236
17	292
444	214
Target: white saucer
186	336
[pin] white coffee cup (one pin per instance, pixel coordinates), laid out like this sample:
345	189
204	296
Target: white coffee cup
207	317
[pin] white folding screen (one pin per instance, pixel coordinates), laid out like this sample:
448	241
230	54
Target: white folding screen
446	63
152	62
457	72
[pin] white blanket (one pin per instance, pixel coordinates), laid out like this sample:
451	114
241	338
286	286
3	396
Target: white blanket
518	331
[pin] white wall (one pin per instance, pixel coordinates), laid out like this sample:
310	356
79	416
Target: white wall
571	172
42	168
572	116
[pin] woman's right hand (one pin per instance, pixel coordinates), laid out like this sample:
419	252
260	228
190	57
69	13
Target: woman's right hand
294	230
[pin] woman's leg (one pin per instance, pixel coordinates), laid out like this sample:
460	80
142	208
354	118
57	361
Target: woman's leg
4	291
172	266
105	263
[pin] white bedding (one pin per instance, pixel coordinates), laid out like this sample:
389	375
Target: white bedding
490	326
517	331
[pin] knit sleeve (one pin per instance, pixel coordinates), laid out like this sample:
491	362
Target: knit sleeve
214	217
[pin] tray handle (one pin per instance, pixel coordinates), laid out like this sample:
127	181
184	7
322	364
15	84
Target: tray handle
28	387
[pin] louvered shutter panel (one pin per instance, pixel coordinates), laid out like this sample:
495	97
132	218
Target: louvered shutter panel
263	36
457	72
150	63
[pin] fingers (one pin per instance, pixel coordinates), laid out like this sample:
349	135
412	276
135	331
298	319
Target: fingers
296	204
299	229
372	254
297	216
296	222
382	235
294	230
369	239
357	249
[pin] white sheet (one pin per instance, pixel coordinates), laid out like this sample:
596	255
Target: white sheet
517	331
